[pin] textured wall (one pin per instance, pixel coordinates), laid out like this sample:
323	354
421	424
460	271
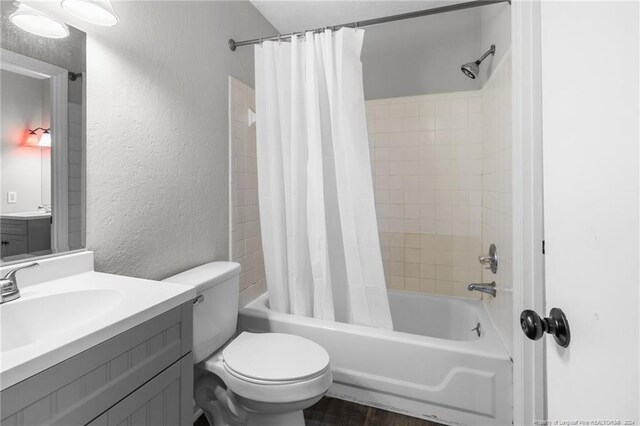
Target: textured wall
157	131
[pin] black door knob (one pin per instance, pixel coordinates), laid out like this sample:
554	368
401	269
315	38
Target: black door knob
531	324
556	324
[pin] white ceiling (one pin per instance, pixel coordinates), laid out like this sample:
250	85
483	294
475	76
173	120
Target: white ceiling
290	16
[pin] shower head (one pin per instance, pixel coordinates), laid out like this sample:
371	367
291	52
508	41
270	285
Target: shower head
472	69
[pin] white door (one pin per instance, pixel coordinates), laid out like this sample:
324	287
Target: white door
590	116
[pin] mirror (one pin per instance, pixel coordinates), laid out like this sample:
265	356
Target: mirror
42	155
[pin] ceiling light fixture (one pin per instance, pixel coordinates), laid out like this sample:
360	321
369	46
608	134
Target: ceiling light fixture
35	22
99	12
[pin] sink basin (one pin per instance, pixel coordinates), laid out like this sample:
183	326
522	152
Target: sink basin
31	320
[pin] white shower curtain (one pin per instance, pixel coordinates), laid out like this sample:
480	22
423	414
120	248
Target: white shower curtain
317	214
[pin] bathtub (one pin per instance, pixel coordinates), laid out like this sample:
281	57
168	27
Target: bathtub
434	365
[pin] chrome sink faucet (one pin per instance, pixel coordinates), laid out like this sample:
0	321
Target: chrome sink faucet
489	288
9	285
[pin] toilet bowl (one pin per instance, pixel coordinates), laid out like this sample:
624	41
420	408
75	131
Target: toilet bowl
254	378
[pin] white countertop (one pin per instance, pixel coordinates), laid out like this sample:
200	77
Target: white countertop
55	320
26	215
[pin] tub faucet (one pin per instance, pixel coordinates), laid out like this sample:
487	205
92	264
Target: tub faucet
9	285
483	288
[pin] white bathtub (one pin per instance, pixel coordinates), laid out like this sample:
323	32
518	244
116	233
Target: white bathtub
432	366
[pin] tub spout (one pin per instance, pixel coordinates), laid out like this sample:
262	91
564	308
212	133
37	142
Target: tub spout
484	288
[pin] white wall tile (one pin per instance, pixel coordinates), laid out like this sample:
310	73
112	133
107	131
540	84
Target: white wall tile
245	244
427	179
443	179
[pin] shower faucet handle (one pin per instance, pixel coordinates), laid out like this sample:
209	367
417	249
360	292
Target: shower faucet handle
490	260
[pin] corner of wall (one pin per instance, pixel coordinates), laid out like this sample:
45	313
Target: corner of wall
245	239
495	28
497	194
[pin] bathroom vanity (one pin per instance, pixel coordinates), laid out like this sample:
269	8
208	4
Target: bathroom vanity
91	348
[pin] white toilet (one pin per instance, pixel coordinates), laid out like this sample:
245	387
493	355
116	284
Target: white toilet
254	379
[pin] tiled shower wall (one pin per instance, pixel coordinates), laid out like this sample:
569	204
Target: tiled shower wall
442	181
246	244
496	193
427	170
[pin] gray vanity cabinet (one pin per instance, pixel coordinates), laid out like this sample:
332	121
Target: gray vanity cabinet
141	376
21	236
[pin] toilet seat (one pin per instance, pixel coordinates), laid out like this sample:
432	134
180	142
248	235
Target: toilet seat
272	367
274	357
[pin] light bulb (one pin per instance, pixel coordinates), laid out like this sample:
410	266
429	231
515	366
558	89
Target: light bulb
45	140
33	139
38	23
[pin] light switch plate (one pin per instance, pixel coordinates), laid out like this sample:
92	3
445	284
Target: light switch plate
12	197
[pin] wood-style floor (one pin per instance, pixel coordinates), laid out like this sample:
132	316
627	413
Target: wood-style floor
336	412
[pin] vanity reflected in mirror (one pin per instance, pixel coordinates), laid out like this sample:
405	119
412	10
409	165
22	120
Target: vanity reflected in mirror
42	156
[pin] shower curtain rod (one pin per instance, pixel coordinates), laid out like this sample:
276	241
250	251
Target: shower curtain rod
358	24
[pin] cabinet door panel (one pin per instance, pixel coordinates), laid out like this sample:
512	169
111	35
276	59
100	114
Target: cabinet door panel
13	245
39	235
164	400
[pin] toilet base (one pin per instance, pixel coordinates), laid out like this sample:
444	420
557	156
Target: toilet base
224	408
295	418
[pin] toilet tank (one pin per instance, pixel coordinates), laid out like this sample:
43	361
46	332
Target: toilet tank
215	310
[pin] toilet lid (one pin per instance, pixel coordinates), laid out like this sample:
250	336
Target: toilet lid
275	357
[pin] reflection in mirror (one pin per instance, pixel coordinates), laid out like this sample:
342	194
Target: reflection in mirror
26	165
42	156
